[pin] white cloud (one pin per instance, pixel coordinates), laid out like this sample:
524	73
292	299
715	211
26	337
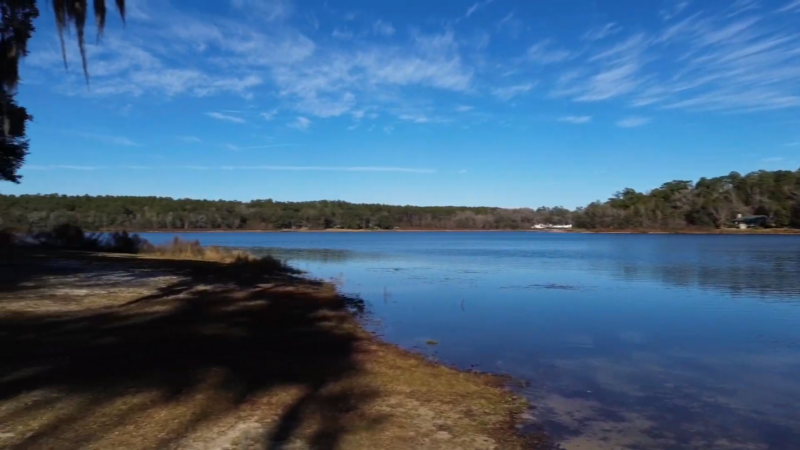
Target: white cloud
268	115
134	167
632	122
382	28
510	25
175	53
301	123
232	147
612	72
191	139
464	108
270	10
64	167
462	171
225	117
543	53
674	9
342	33
351	169
731	57
113	140
734	60
475	7
329	86
603	32
576	119
414	117
509	92
388	129
313	168
741	6
793	144
269	146
792	6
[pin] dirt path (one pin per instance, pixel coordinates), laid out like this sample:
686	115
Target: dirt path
102	353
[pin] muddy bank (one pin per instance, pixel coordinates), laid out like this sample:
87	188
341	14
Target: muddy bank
101	352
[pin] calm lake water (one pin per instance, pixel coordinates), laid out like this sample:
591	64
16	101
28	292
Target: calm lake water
628	341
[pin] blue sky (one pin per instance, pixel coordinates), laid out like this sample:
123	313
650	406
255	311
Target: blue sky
496	102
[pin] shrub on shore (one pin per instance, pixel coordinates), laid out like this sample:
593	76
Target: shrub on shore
72	237
7	238
240	259
69	236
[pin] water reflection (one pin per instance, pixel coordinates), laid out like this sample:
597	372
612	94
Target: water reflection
320	255
640	342
770	279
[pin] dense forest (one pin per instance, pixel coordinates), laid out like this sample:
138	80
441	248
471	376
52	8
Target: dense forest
711	202
40	212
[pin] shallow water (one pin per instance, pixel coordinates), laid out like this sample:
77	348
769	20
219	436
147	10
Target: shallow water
628	341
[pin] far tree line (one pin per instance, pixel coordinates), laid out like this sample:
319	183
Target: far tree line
708	203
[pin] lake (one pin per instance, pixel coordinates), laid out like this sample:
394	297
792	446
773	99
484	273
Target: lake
627	341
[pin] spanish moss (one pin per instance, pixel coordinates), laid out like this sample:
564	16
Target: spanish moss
73	13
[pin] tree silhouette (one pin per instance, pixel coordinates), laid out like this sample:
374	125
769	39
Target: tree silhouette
15	31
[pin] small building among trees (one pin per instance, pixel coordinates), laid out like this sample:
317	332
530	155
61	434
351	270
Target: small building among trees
744	222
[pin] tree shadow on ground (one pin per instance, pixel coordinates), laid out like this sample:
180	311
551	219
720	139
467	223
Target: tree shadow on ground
229	336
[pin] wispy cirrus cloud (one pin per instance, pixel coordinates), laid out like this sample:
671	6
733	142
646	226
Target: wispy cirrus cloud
602	32
332	169
545	52
509	92
62	167
475	7
253	147
269	10
609	73
410	170
300	123
705	61
792	7
414	117
673	9
633	122
191	139
268	115
741	6
510	25
731	57
576	119
343	82
110	139
382	28
225	117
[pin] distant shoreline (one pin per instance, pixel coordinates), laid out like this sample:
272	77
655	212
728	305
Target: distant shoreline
724	231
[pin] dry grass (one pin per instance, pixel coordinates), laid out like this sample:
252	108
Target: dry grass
183	249
193	250
199	357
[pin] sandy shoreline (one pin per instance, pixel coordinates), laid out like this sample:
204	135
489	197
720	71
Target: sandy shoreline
118	351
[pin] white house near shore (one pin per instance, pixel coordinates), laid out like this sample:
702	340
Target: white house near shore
548	226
